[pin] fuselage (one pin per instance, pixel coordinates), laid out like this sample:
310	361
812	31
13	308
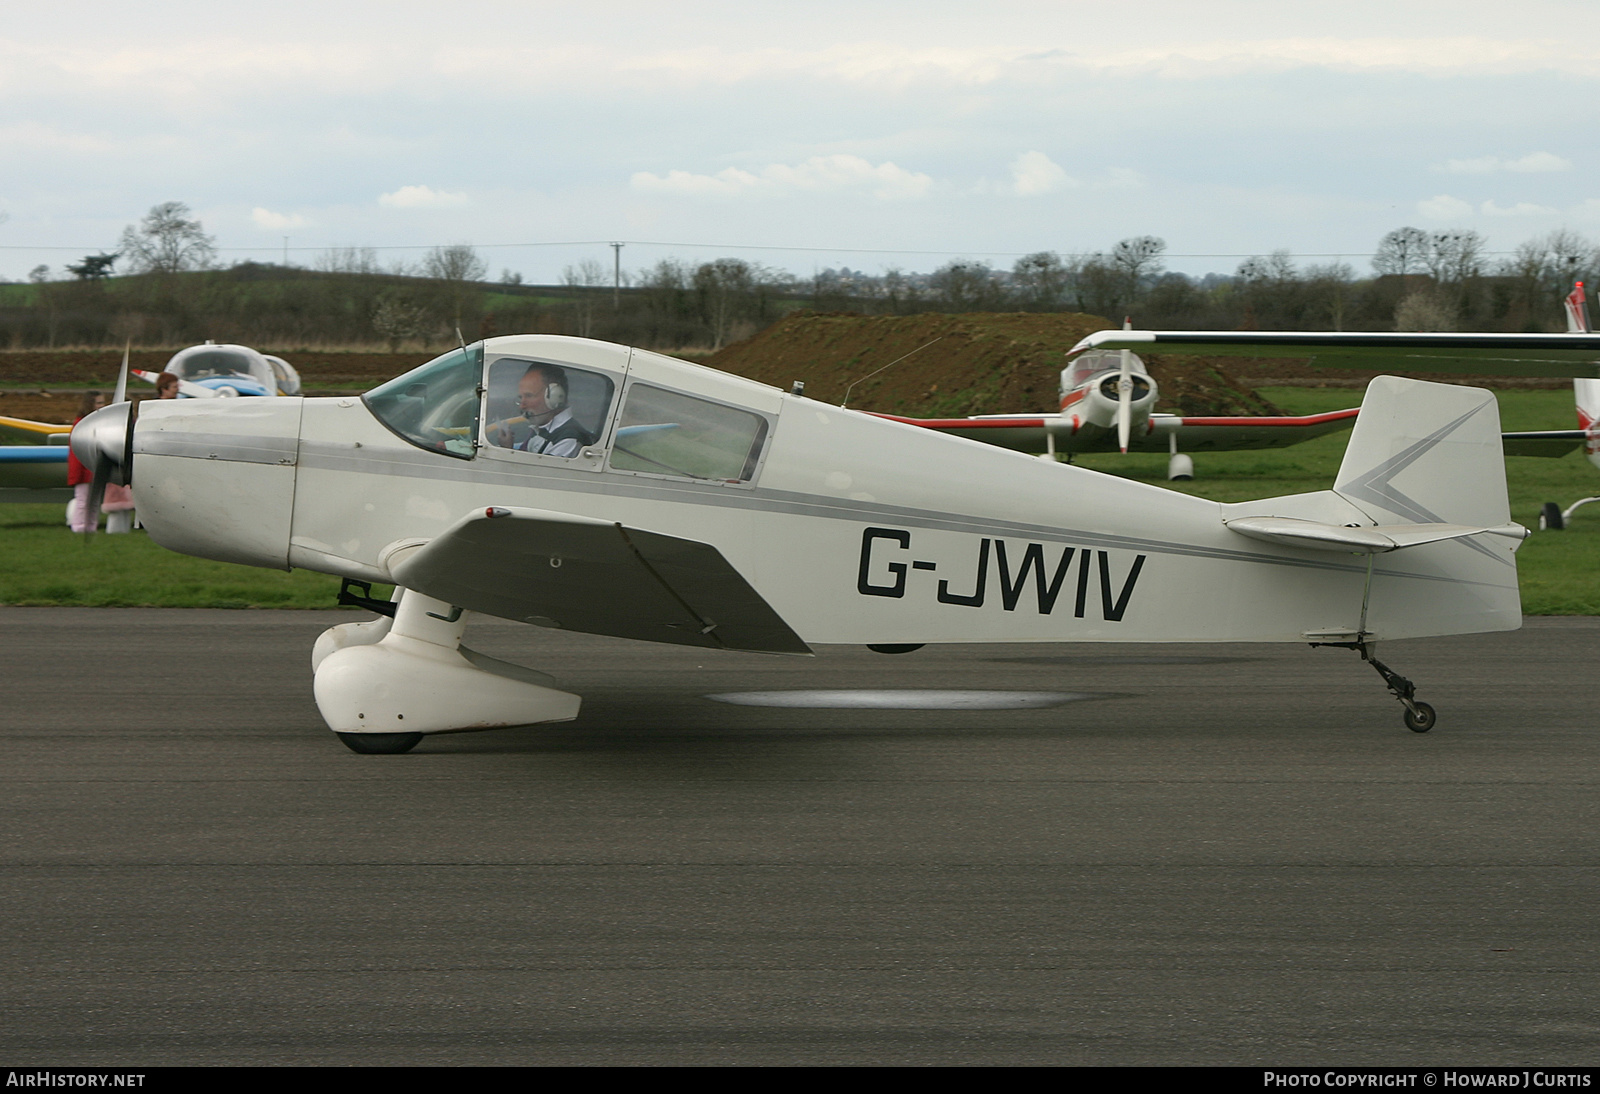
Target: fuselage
853	528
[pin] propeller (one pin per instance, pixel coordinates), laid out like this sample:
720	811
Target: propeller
102	441
1125	401
1125	394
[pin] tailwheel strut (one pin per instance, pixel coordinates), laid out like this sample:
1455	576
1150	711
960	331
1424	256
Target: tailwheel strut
1419	716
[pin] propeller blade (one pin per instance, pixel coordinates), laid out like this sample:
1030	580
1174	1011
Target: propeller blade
122	378
97	494
1125	401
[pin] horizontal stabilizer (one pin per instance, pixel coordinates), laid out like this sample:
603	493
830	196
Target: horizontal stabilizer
1292	532
1551	443
580	574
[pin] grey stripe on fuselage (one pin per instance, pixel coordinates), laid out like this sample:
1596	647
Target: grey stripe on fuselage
338	457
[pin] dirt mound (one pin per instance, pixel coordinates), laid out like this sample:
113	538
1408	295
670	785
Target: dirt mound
982	363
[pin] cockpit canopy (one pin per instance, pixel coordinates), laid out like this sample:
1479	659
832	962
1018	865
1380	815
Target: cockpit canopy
1084	366
240	368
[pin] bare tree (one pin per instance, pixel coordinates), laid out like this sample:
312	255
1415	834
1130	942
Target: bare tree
1039	281
351	260
1403	251
458	270
1455	255
966	284
724	287
585	279
1139	260
167	240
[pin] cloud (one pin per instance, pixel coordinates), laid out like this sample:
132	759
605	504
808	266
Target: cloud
269	221
1520	209
819	174
421	197
1532	163
1445	207
1034	173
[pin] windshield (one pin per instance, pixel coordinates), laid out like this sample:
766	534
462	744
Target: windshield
1078	371
434	406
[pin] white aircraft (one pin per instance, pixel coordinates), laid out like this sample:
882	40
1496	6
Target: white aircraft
1108	403
592	487
211	371
1558	442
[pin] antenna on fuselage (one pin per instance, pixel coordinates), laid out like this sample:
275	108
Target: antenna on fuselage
846	402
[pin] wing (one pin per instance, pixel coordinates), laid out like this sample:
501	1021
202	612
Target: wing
1026	432
1550	442
22	431
1201	434
1493	354
33	467
580	574
1022	432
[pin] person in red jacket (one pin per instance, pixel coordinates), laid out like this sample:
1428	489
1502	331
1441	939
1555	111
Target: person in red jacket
78	476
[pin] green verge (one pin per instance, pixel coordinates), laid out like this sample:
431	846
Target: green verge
43	563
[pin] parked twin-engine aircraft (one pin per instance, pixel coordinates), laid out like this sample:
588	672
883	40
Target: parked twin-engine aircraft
1108	403
591	487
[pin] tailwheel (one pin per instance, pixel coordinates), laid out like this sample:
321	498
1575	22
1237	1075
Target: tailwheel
380	744
1420	717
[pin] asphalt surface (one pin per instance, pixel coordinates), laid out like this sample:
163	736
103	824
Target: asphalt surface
1223	855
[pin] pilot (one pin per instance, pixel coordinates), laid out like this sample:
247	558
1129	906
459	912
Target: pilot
542	396
167	386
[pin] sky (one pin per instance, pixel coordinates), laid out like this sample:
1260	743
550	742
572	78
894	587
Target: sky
802	136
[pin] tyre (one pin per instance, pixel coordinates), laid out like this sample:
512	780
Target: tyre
1421	720
1550	518
380	744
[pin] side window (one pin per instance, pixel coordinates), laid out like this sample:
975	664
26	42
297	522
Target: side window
546	409
434	406
667	433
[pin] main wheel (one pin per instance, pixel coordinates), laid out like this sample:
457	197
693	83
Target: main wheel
1550	518
380	744
1421	720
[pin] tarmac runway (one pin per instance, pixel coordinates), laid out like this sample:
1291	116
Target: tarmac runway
1185	855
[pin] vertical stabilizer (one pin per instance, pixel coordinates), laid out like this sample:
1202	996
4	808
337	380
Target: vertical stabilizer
1587	394
1426	453
1577	314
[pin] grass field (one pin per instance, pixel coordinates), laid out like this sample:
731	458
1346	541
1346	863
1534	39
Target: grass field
43	563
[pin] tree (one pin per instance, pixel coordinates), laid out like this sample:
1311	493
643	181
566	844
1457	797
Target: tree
1139	260
397	319
168	241
964	285
584	279
725	288
1040	281
1455	255
457	269
1403	251
93	267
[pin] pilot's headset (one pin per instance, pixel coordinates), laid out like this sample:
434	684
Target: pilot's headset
555	386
